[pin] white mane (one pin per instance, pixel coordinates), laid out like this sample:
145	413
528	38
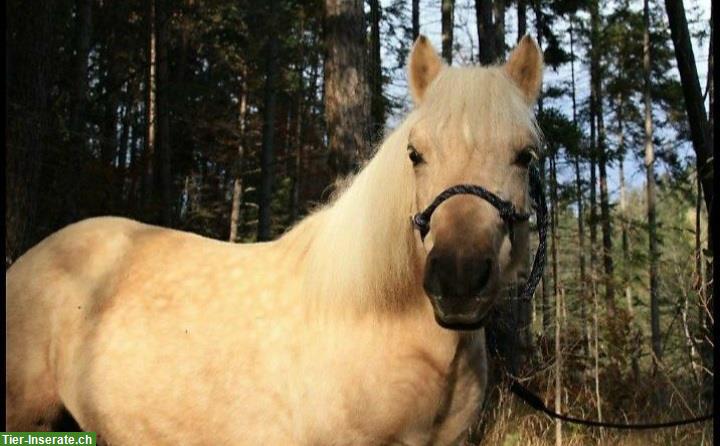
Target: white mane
361	248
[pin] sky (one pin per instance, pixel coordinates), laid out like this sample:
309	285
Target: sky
466	37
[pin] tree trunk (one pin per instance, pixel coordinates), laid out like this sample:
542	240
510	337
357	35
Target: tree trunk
708	318
521	19
523	310
267	157
556	294
624	232
499	14
185	25
602	159
558	368
704	332
80	81
123	152
700	131
593	220
109	149
109	142
579	198
594	97
596	335
163	118
149	197
296	168
124	120
377	105
239	163
137	160
415	19
78	125
650	189
554	226
582	295
690	342
626	277
30	52
699	276
605	218
711	79
711	116
134	168
553	238
544	306
486	35
593	235
297	160
448	23
539	30
347	110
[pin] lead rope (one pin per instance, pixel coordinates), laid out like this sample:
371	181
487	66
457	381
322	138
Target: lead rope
522	392
536	403
540	206
510	215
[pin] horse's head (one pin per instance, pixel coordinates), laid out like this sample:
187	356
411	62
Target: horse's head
472	125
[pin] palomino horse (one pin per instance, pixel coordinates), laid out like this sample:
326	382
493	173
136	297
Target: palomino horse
330	335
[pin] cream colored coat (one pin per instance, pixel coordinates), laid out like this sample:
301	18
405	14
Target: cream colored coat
153	336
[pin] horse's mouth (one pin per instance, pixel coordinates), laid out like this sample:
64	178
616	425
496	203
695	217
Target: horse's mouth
468	319
457	325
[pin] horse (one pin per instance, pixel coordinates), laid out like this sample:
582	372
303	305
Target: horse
349	329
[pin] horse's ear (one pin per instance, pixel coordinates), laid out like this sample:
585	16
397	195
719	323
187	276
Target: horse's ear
424	66
525	68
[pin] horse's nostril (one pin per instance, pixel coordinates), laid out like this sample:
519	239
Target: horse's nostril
482	274
456	277
432	280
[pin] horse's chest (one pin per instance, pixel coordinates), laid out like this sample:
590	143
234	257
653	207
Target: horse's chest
421	400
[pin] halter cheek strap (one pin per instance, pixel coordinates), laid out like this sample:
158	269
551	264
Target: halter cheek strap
507	212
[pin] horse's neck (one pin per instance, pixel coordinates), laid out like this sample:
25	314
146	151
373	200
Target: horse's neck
364	249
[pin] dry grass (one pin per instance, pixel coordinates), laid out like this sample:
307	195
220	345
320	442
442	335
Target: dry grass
515	424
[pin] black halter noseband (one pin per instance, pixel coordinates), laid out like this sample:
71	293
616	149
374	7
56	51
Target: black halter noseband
508	213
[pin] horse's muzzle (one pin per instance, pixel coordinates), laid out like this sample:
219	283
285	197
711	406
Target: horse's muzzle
460	288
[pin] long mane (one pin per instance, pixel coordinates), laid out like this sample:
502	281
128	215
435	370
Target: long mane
362	246
360	249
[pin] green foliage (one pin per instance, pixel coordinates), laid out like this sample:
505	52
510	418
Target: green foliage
216	55
559	131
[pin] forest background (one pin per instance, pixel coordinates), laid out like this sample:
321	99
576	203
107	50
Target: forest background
233	119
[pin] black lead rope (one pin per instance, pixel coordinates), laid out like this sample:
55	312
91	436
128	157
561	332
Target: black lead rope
510	215
535	402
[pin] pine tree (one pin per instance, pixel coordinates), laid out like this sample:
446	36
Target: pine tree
346	87
448	25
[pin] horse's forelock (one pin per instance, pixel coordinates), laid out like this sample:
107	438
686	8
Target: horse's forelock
480	102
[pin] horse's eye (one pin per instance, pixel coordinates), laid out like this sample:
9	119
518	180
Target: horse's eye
525	157
415	156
